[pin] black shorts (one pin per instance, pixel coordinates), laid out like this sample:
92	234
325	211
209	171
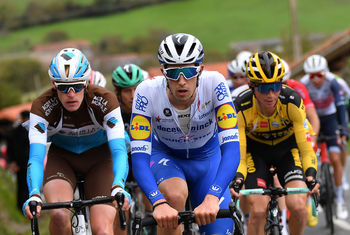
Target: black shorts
284	156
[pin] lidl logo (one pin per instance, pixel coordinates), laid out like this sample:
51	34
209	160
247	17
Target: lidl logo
140	128
226	116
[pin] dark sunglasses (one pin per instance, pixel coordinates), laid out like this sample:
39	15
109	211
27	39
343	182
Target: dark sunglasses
266	87
187	72
66	87
319	75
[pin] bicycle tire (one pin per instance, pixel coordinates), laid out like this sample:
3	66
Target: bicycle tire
275	231
327	180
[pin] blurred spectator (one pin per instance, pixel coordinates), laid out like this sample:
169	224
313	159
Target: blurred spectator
18	154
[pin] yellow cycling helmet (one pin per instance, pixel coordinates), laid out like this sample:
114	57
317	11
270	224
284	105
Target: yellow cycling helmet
265	67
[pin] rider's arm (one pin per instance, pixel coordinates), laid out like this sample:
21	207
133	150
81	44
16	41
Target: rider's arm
141	143
297	115
113	124
242	168
37	152
230	152
339	103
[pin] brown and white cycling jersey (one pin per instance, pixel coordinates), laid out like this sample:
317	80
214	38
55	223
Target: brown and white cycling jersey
93	124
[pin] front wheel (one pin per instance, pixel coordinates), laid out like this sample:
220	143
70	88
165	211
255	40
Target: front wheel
327	180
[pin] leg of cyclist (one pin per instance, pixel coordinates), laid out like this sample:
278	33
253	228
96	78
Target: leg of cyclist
329	126
257	177
59	183
99	179
257	219
175	192
59	190
171	183
297	206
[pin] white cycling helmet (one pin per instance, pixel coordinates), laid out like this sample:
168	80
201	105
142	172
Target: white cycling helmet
69	65
243	58
287	71
315	63
235	67
180	48
97	78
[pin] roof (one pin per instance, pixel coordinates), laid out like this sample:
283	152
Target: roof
12	113
333	49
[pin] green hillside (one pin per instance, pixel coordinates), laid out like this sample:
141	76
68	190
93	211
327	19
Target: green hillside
216	23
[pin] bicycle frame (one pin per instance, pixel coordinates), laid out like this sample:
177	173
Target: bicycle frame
272	220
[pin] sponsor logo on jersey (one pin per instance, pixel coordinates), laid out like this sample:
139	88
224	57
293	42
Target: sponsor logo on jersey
275	124
140	148
141	102
100	102
229	138
154	193
264	124
49	105
226	116
167	112
40	127
216	188
221	91
111	122
140	128
260	182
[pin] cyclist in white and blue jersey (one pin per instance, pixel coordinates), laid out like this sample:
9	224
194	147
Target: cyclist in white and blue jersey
184	138
86	131
328	98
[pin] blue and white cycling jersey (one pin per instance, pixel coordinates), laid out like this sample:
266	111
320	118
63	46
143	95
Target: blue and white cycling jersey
328	99
97	121
213	122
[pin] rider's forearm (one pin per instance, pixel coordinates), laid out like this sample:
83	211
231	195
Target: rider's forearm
312	116
120	161
35	168
144	177
230	158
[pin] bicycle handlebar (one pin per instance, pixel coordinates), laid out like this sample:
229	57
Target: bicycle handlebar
274	191
186	217
76	205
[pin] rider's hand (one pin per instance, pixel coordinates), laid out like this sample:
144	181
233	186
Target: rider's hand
239	183
26	209
165	215
206	212
127	198
313	186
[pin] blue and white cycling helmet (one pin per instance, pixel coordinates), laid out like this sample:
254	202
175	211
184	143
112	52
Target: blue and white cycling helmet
180	48
69	65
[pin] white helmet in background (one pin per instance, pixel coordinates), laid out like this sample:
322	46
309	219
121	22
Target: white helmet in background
243	58
69	65
287	71
97	78
235	67
315	63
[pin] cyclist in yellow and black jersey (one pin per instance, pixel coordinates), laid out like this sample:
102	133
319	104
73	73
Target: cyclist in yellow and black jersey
273	130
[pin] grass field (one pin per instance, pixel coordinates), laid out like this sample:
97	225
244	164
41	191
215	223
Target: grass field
216	23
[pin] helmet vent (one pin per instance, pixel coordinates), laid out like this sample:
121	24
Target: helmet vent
167	50
66	56
191	49
190	59
66	69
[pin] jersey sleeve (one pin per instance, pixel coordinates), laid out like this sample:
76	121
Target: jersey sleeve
140	134
37	151
226	119
297	115
114	126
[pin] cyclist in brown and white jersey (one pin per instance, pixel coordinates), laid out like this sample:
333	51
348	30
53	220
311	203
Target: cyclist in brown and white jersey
86	131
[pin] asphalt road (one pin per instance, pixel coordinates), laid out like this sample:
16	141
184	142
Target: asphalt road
341	227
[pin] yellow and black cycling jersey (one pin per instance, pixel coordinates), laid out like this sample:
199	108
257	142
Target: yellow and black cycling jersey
288	119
